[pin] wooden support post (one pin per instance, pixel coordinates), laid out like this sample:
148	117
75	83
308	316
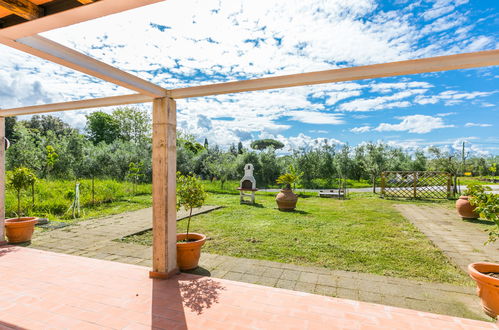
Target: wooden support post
383	184
449	183
2	180
164	251
415	184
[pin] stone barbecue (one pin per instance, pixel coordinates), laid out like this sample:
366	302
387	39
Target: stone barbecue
247	183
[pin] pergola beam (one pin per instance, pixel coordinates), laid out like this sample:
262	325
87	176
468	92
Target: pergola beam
72	16
23	8
85	2
57	53
431	64
75	105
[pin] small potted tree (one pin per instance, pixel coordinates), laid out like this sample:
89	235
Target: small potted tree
486	274
463	205
20	229
286	199
190	194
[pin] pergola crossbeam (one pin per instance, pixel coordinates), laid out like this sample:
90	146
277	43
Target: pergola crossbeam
431	64
72	16
57	53
23	8
75	105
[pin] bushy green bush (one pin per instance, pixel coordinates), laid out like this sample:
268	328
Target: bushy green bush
475	190
487	205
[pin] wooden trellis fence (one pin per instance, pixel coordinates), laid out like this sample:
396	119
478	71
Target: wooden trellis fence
416	184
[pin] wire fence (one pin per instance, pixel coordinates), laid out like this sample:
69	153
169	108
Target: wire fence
416	184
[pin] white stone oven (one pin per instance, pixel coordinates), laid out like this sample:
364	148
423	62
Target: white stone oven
247	184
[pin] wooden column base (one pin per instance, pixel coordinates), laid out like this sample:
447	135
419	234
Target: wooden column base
163	275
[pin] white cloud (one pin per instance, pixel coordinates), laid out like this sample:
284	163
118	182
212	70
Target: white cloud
450	97
419	124
301	141
335	97
381	102
361	129
313	117
478	43
445	114
450	145
442	7
444	23
388	87
477	125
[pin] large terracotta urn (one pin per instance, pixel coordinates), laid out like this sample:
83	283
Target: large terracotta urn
465	209
487	286
20	230
286	200
188	253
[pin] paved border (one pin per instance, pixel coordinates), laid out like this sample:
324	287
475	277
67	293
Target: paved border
461	241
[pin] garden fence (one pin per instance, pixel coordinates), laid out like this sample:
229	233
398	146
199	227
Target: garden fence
416	184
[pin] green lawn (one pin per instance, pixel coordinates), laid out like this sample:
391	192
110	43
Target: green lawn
54	197
364	233
466	180
231	185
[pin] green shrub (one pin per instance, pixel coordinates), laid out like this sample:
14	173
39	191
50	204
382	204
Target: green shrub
475	189
190	194
487	205
20	179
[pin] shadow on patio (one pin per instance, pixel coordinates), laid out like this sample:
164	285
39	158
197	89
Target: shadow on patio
171	297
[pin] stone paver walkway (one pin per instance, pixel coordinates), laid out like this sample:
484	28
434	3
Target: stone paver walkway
95	239
462	241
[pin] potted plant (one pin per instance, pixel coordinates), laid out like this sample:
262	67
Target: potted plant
190	194
286	199
486	274
20	229
463	205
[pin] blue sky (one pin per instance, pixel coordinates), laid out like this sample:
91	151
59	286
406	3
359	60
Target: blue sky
185	43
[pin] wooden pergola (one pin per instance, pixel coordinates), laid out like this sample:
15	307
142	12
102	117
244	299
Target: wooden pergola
22	20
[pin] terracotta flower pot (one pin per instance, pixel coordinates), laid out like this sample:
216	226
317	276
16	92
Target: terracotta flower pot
188	253
19	230
465	209
286	200
487	286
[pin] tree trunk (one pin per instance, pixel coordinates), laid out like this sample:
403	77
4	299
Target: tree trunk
374	183
188	225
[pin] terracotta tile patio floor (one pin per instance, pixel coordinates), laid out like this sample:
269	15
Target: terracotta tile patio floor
47	290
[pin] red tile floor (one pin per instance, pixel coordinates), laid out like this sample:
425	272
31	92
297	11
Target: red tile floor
46	290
